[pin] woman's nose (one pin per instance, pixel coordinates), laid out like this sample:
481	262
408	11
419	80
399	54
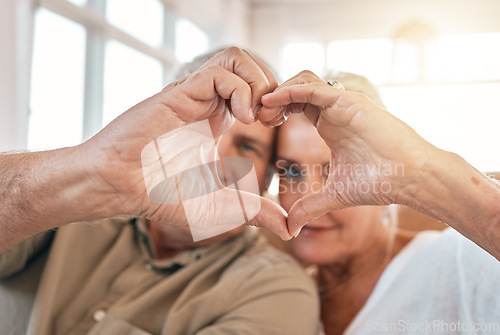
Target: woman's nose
313	183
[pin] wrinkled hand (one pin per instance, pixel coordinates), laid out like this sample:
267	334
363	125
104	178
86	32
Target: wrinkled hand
374	156
229	85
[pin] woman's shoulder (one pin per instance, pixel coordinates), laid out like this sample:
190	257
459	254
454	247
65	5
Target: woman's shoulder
437	275
450	244
448	248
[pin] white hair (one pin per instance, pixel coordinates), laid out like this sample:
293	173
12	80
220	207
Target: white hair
356	83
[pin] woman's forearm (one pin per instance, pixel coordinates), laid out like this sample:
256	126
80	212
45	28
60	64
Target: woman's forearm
454	192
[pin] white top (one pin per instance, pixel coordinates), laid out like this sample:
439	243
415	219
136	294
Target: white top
440	283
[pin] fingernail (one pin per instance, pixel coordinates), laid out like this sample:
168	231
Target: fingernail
256	111
298	232
251	114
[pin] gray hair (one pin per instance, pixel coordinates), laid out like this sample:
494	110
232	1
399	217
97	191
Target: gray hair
197	62
356	83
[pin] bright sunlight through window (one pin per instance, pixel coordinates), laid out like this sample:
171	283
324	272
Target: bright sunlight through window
446	89
303	56
190	41
129	77
140	18
57	82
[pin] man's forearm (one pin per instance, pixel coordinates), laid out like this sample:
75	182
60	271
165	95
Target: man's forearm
44	190
456	193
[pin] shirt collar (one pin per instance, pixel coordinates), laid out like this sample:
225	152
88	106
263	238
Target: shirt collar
184	258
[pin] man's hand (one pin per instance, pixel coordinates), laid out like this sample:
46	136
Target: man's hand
103	177
229	85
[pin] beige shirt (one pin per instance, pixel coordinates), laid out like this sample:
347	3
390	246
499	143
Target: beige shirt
103	278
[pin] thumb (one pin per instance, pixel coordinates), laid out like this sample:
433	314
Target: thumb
257	211
309	208
227	208
272	217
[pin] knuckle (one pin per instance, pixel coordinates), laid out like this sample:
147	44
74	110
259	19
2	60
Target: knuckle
212	68
245	89
203	73
273	83
306	77
307	73
261	86
234	51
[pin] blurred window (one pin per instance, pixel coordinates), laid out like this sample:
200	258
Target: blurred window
142	19
371	57
125	88
445	87
78	2
464	58
93	61
462	118
303	56
57	82
190	40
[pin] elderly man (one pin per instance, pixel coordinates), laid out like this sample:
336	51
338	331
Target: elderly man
144	274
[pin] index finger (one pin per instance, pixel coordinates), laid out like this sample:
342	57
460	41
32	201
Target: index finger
253	71
296	95
318	94
272	82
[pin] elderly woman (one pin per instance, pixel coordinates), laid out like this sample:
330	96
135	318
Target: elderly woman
345	151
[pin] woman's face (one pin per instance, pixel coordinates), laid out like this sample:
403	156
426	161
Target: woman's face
302	164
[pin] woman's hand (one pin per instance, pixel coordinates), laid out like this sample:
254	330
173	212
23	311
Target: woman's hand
375	157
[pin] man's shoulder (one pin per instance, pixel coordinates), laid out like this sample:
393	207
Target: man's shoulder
262	254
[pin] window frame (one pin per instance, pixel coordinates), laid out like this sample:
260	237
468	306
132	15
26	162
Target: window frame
99	30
